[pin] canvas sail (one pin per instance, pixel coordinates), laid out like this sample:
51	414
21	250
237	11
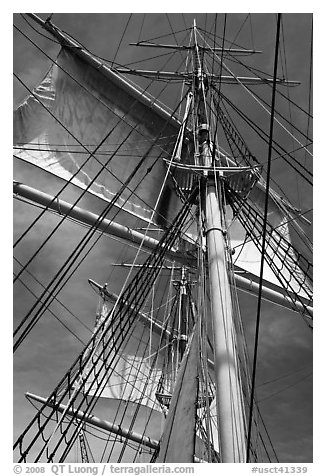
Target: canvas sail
77	98
279	247
139	366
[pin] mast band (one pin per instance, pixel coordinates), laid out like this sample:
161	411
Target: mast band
215	228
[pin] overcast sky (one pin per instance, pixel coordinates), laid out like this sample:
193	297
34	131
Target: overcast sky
285	352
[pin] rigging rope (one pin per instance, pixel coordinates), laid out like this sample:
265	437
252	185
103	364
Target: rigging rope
122	37
289	121
220	80
110	206
285	388
60	302
159	215
91	154
255	95
123	396
37	31
82	243
120	119
299	269
135	292
212	71
113	311
264	136
310	81
234	138
116	437
238	33
264	74
279	16
141	27
53	314
75	252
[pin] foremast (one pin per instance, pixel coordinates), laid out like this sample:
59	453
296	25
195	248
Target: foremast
229	399
228	394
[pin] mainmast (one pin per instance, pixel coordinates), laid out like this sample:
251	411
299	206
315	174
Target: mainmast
229	399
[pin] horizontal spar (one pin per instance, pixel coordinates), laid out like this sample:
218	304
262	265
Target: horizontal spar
103	424
113	298
152	324
92	219
99	423
243	282
186	76
269	294
240	51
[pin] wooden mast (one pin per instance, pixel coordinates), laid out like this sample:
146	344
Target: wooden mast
228	388
229	399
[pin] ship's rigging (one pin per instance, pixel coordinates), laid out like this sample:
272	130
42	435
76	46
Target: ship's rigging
193	188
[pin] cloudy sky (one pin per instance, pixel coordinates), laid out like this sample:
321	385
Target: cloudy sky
284	376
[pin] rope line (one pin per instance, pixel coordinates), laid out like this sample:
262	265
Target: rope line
253	381
120	119
135	292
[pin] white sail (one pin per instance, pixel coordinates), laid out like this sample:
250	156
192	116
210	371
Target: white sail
96	111
248	257
138	366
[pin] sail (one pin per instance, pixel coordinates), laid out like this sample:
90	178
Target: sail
279	249
84	127
139	364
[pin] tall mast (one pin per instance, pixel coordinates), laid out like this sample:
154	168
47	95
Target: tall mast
228	387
